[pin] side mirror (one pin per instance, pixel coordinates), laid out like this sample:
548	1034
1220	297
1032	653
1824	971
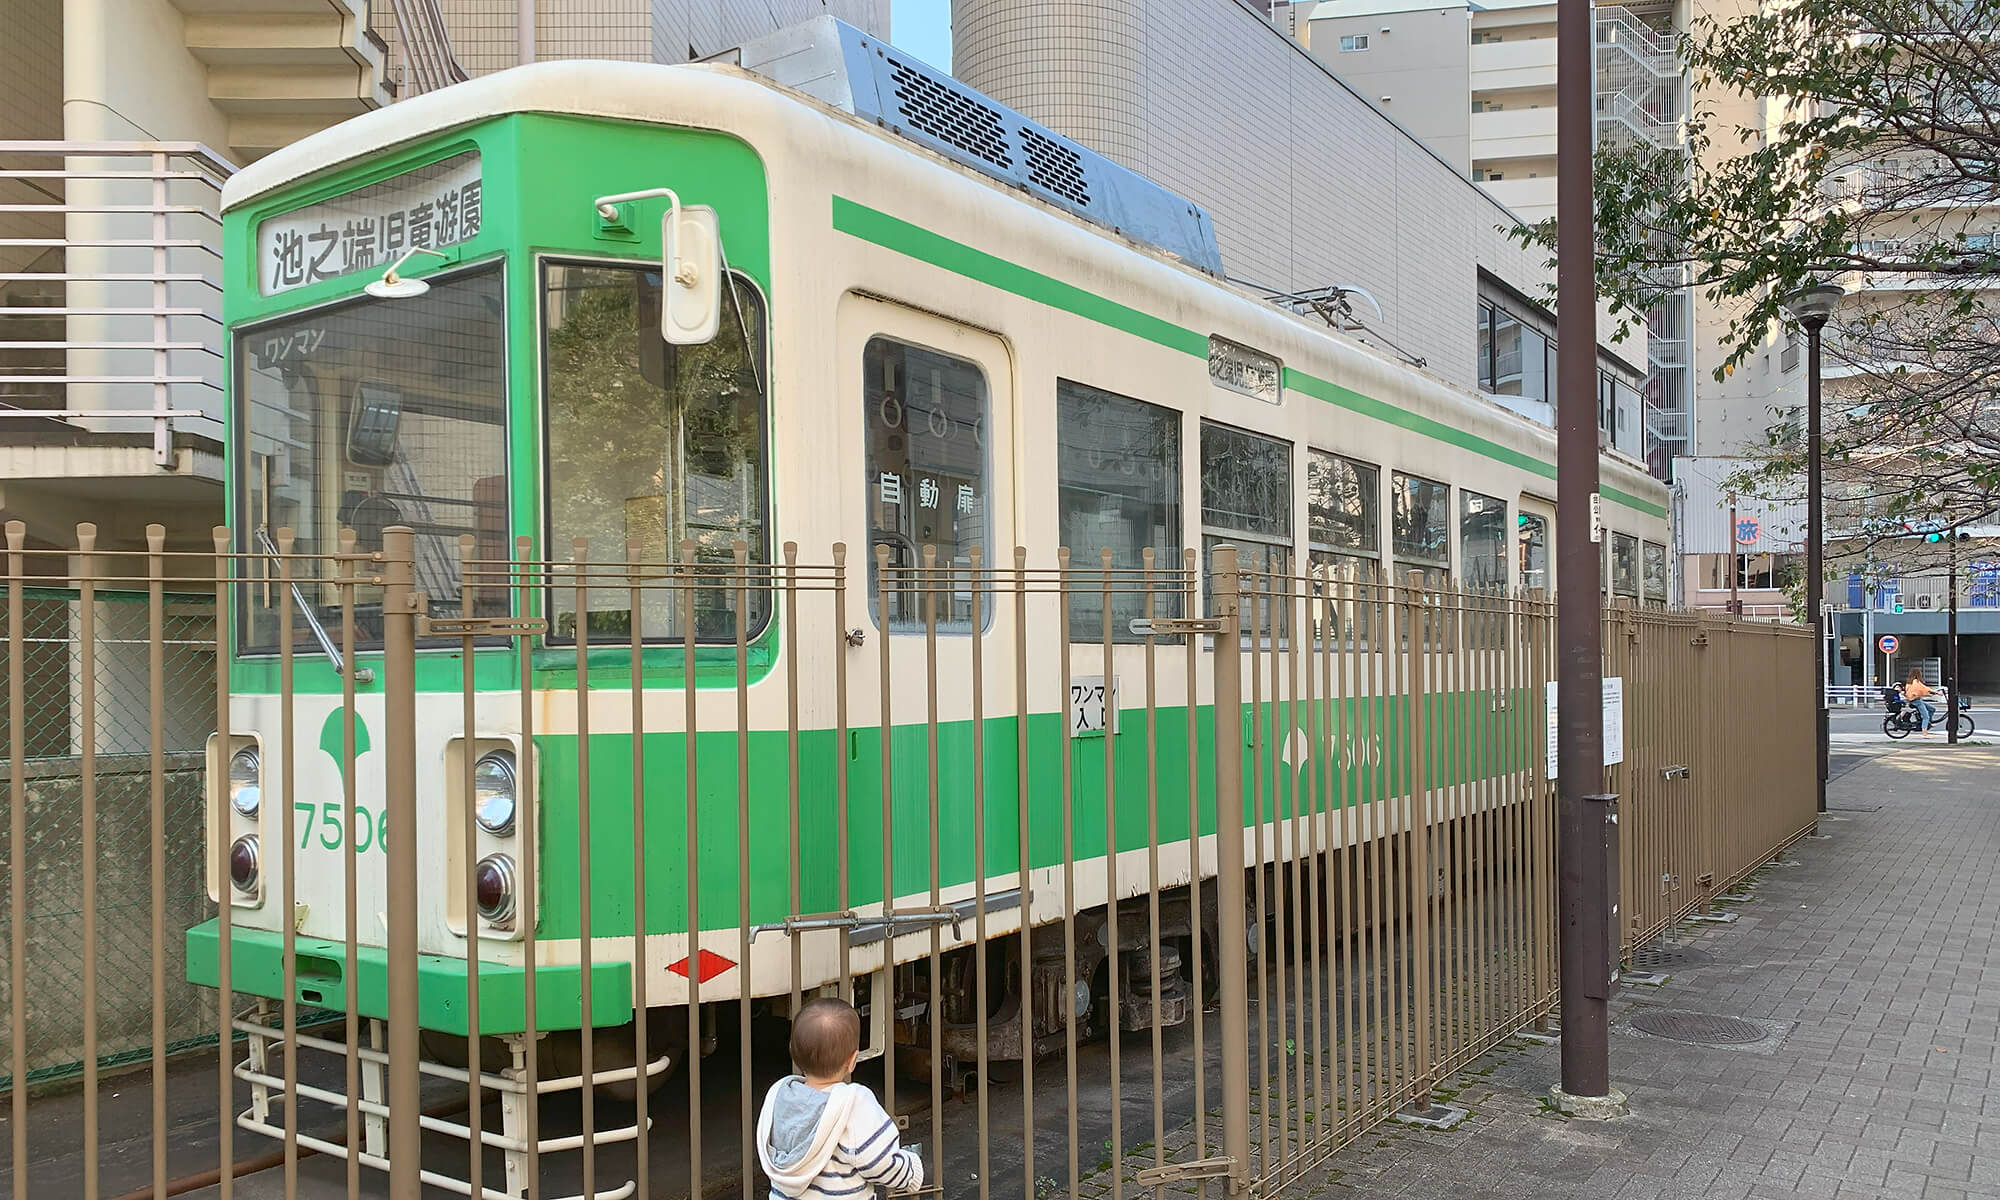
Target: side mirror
691	255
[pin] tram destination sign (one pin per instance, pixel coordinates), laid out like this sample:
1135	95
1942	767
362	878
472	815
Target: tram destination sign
432	207
1241	369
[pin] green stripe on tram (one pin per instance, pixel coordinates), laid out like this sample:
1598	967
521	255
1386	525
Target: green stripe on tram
893	233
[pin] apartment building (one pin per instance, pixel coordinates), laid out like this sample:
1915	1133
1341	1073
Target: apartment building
1321	194
1476	80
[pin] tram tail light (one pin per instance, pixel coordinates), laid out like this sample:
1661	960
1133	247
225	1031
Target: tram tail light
497	884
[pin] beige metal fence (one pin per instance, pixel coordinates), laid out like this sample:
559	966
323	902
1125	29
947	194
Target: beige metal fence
1130	900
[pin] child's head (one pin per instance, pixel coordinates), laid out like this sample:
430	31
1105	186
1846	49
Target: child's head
826	1039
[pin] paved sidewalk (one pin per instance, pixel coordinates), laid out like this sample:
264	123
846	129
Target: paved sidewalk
1873	970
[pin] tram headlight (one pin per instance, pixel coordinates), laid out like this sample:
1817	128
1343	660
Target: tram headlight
245	865
495	883
245	778
493	792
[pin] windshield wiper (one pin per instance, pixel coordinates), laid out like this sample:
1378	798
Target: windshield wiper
326	646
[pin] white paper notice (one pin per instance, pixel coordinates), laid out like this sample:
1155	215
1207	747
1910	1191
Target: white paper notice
1614	723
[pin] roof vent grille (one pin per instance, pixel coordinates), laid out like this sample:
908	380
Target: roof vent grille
1056	167
839	65
950	116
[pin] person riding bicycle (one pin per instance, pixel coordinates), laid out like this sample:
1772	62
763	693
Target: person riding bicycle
1914	692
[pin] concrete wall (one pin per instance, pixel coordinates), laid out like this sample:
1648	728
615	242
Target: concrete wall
1416	67
54	937
1310	184
31	72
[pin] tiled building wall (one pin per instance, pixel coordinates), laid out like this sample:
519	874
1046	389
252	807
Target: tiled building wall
1308	183
31	88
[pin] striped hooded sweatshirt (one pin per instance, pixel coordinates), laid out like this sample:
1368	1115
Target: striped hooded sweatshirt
835	1144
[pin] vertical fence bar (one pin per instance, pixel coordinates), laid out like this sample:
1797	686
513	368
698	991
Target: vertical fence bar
746	1115
1146	561
1232	954
586	1033
1256	589
1113	996
1418	801
844	881
1024	857
1199	995
156	755
888	591
977	586
288	1016
468	756
642	1150
86	575
399	707
349	864
794	848
1064	635
689	579
17	860
933	585
530	581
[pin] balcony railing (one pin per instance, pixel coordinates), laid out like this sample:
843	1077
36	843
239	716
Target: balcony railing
110	287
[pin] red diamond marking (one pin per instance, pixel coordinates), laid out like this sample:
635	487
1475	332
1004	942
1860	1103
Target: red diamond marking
711	966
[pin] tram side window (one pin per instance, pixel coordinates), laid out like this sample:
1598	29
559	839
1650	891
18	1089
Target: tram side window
1624	564
1344	525
1423	524
367	414
927	483
1118	462
651	446
1246	501
1534	540
1654	563
1482	541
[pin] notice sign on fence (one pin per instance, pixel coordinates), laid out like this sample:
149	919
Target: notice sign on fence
1614	722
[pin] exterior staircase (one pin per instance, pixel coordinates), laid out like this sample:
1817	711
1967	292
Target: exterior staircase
283	69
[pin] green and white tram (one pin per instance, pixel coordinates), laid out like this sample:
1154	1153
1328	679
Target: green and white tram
459	315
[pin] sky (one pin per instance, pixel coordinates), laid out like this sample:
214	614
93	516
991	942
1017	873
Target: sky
922	27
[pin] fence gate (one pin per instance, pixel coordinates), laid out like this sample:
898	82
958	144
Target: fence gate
503	871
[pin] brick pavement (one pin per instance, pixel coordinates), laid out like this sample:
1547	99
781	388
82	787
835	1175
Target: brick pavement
1872	965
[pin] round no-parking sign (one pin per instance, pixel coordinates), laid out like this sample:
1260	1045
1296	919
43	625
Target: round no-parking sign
1889	643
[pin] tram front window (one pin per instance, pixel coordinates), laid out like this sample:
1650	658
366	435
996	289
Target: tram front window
650	447
364	415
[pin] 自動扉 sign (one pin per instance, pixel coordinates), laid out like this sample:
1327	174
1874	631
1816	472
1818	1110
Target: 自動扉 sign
432	207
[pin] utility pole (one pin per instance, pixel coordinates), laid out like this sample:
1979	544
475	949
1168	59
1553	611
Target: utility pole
1735	604
1951	640
1585	814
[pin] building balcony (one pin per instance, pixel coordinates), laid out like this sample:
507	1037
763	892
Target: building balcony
1514	133
110	329
1524	63
282	69
1529	199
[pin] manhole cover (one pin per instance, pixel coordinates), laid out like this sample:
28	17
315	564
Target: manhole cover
1664	958
1698	1027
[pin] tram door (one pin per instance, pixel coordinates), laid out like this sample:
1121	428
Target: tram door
926	459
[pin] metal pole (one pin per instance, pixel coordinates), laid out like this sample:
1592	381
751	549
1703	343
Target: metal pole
1815	536
1950	652
399	710
1232	950
1735	604
1584	900
524	29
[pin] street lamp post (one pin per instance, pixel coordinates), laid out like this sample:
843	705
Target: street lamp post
1812	308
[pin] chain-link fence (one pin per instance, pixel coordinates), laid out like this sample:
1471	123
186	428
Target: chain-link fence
49	861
